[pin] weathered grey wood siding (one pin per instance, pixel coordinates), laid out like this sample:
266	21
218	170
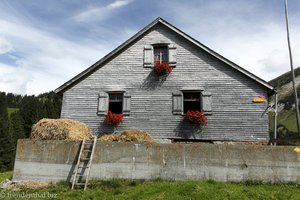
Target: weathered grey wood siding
233	116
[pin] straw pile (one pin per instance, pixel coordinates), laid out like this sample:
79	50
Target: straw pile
15	186
60	129
128	136
109	138
135	136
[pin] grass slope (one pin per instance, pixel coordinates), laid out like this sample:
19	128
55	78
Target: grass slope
125	189
286	118
12	110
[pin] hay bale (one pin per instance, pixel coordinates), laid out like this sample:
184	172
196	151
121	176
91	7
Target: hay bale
60	129
135	136
128	136
109	138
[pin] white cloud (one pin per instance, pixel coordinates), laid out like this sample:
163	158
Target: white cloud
14	80
46	60
98	13
5	46
118	4
263	53
273	61
38	61
241	32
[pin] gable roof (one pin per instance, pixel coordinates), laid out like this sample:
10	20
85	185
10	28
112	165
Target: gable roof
158	20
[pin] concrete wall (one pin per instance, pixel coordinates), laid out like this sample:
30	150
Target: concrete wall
233	116
55	161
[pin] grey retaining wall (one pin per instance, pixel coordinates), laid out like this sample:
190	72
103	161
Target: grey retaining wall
55	161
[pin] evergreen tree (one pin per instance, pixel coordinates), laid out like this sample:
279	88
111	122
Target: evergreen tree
33	108
6	143
18	124
13	100
29	110
16	131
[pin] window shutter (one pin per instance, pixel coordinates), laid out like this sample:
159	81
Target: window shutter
206	102
172	54
102	103
177	103
148	56
126	103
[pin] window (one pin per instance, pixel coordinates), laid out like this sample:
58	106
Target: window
115	103
161	54
191	101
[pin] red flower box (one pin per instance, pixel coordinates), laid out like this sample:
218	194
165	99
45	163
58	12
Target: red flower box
196	117
162	68
113	119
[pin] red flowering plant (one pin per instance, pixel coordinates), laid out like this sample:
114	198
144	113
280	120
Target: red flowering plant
196	117
113	119
162	68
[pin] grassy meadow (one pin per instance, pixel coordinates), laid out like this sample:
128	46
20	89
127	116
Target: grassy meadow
158	189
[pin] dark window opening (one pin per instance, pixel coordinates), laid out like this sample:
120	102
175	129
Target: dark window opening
115	103
160	54
191	101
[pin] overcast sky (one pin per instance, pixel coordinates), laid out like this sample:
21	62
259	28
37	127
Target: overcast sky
43	44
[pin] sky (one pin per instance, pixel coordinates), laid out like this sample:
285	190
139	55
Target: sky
43	44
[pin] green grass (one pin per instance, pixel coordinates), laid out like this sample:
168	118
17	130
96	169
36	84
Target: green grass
290	122
286	118
157	189
12	110
5	175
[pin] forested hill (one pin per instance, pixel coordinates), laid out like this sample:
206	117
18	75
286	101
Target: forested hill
17	114
284	78
286	121
283	84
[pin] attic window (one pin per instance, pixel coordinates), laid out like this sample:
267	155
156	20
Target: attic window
115	103
161	54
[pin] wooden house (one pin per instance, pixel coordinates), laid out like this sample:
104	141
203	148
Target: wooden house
124	81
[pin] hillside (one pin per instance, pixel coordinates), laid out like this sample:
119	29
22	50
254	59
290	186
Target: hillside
283	83
286	104
17	114
284	78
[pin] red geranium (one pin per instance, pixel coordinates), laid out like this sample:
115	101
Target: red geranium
196	117
162	68
113	119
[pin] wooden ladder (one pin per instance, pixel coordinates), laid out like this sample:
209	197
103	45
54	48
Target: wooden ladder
84	163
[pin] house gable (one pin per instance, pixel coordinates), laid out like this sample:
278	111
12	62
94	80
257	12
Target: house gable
151	26
154	103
